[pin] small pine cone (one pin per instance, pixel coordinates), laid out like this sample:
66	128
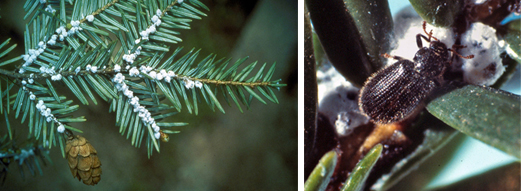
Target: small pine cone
83	160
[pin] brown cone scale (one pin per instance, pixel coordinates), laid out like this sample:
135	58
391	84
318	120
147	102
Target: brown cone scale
83	160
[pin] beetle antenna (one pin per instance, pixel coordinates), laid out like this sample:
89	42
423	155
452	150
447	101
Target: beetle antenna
457	46
393	57
428	33
457	54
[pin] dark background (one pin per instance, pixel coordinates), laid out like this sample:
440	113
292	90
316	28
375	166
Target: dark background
254	150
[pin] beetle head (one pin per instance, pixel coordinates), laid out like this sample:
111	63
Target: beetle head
440	49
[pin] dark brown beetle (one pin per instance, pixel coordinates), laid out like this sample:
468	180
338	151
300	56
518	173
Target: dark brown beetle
397	91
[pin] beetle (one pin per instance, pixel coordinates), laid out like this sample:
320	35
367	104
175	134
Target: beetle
398	91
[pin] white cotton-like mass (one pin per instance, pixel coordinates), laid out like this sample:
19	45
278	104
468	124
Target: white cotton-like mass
133	72
142	116
119	78
122	86
157	135
117	68
137	41
56	77
32	97
155	18
148	117
29	60
25	57
152	29
94	69
172	74
180	1
143	69
24	82
149	68
126	57
134	101
51	42
47	112
63	31
42	1
486	66
44	69
159	76
41	106
158	12
21	71
71	32
198	84
143	34
61	128
30	80
75	23
129	93
50	9
90	18
138	108
153	74
189	84
129	58
119	86
59	30
155	127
